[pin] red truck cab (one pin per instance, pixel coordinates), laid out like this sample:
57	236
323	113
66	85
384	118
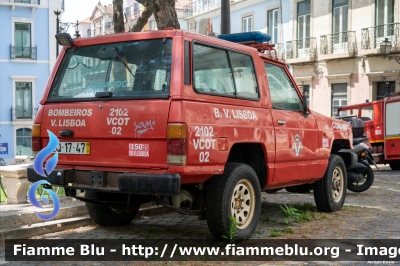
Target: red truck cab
381	126
198	123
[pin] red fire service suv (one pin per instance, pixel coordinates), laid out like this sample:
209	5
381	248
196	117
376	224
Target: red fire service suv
197	123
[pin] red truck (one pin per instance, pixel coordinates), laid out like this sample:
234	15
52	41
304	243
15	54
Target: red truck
197	123
382	126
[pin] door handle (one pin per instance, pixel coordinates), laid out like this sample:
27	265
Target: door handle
281	122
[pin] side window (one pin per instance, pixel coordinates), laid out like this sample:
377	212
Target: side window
245	78
282	91
217	71
367	113
212	73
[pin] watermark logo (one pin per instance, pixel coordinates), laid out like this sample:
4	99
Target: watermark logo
49	167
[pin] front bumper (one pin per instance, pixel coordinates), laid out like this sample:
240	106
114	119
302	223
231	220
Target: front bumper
166	184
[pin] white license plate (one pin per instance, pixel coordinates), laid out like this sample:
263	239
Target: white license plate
73	148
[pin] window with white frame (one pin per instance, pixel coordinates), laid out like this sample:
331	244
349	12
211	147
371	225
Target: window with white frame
151	25
273	25
136	10
384	12
303	20
246	24
384	16
24	141
339	97
23	100
340	15
22	39
100	28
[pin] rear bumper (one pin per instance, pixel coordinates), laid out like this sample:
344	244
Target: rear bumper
135	183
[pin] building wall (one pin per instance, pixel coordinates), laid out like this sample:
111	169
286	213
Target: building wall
36	71
255	8
361	70
83	28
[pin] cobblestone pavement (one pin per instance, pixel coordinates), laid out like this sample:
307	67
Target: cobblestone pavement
370	215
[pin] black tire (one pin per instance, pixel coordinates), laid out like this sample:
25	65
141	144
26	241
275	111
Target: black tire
238	179
395	165
330	191
368	181
106	215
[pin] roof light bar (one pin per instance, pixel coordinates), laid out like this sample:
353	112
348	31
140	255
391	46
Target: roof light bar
246	37
64	39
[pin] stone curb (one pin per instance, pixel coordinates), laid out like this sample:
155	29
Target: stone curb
25	218
41	228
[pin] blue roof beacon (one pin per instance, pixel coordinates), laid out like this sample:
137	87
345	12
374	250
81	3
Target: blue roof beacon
246	37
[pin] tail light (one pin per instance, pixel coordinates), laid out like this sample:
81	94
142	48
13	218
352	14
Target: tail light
36	144
176	144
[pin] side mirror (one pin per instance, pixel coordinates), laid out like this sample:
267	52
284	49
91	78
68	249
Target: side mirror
305	106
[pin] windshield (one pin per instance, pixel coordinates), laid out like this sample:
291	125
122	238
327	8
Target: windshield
138	69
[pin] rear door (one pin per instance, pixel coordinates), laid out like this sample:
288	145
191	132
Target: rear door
392	129
372	116
109	105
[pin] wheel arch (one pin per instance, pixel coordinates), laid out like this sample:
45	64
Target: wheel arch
252	154
342	147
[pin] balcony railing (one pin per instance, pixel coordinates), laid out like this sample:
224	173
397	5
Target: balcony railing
306	47
26	114
32	2
20	52
372	37
280	51
200	6
338	42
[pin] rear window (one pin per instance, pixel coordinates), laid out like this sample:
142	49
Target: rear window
348	112
138	69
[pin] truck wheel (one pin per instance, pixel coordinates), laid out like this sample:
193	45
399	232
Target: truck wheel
106	215
395	165
236	193
330	191
365	184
